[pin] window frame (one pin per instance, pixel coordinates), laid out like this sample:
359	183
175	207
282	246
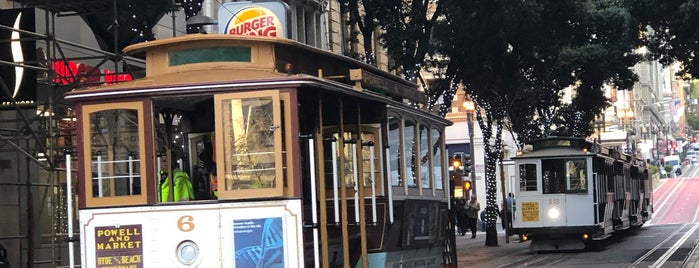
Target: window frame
585	180
276	191
90	200
443	167
562	171
537	171
375	130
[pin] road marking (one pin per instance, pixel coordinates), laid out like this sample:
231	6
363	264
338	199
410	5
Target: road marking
512	263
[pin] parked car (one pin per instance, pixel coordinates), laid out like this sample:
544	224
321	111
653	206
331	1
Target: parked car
692	156
674	162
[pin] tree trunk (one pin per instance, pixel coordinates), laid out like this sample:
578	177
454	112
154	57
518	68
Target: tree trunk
491	235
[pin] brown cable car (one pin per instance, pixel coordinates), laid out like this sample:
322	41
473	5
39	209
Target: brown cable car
260	151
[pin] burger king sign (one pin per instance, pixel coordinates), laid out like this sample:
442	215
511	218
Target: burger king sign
258	19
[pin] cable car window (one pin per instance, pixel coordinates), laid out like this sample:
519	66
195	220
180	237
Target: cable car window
409	146
115	163
564	175
424	157
371	164
251	137
576	177
349	165
437	159
527	177
394	151
553	177
210	54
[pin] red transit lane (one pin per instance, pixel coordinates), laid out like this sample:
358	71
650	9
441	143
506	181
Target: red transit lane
676	200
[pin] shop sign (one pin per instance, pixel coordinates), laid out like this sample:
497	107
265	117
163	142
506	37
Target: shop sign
267	18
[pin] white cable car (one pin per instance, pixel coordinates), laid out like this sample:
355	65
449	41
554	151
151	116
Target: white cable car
572	191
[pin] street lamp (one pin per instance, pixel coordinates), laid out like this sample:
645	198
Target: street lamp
667	141
626	115
470	106
656	138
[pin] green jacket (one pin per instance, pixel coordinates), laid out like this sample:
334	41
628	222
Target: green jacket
183	187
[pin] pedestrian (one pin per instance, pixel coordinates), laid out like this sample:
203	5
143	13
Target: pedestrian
510	204
472	208
461	217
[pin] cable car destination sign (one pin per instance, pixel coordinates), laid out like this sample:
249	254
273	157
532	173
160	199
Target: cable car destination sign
254	18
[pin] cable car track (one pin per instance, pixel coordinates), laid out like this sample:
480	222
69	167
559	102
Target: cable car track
677	246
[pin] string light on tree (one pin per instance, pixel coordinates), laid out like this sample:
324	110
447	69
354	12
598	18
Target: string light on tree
447	98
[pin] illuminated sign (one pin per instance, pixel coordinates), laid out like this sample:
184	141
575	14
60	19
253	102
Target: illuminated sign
120	246
19	80
67	72
254	19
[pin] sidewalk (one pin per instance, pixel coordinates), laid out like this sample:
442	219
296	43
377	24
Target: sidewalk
474	252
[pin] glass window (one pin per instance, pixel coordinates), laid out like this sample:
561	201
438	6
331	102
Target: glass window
424	159
576	178
115	163
437	159
251	152
409	148
394	150
113	154
370	154
211	54
564	175
370	161
527	177
553	176
350	166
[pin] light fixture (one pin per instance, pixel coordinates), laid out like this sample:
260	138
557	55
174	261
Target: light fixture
187	252
554	213
200	21
469	106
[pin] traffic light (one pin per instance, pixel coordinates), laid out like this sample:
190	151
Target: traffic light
467	185
467	165
456	161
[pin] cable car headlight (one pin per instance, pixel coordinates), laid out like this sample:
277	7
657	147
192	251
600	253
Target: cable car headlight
187	252
554	213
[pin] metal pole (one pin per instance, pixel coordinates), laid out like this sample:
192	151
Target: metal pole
69	208
469	117
174	9
504	217
667	143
